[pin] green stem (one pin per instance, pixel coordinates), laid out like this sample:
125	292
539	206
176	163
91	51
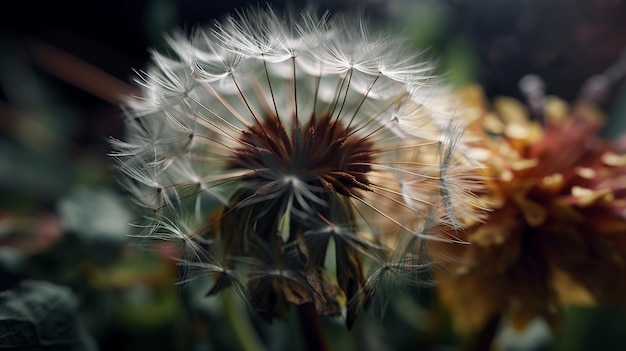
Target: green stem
237	317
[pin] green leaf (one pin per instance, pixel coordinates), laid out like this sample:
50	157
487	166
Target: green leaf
39	315
593	328
95	214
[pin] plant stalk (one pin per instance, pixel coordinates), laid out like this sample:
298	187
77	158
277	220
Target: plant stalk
311	327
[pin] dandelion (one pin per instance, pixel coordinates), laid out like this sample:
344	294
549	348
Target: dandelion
556	234
297	160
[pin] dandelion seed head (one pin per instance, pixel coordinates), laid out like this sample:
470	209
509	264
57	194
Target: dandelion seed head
297	152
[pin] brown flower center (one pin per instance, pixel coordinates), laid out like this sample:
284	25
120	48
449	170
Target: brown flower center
324	153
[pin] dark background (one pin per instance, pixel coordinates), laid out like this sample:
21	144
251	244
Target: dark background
563	41
64	64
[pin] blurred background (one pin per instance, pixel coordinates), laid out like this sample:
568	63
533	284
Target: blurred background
64	220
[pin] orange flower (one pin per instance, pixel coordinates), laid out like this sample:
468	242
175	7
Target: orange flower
557	232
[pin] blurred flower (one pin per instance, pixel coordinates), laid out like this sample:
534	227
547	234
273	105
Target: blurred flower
29	234
296	160
557	232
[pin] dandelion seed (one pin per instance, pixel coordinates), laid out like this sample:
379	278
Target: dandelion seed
281	138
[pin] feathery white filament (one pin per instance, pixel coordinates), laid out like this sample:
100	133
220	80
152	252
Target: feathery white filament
279	135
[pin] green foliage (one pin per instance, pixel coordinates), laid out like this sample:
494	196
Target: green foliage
592	328
38	315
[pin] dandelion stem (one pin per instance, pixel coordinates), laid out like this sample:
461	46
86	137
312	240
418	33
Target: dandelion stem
245	334
312	331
